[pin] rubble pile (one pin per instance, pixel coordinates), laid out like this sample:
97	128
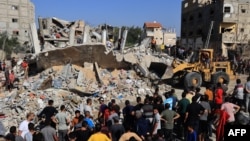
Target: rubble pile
73	67
71	85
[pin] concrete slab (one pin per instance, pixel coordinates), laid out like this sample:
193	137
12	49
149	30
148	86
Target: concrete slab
130	57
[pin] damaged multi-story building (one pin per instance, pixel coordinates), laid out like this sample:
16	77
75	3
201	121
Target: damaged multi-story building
230	28
16	17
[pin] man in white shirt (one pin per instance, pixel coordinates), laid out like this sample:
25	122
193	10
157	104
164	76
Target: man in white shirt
23	127
87	107
156	121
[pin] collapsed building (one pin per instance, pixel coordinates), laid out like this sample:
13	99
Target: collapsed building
69	71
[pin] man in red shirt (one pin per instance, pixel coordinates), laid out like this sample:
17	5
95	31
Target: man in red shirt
218	96
11	81
25	67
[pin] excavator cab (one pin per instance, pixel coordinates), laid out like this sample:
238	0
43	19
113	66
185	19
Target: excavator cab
205	58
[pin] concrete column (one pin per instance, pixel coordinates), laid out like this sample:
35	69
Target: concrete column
34	38
72	36
86	34
124	38
40	22
104	34
120	33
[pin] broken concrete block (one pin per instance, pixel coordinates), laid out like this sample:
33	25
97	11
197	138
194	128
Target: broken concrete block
80	79
130	57
89	66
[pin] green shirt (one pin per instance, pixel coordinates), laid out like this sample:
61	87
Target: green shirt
182	105
168	115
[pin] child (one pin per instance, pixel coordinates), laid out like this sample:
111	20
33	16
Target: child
192	135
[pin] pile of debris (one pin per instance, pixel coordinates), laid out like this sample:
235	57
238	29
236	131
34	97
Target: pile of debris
71	85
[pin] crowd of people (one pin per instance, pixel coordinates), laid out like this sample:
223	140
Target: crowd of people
154	118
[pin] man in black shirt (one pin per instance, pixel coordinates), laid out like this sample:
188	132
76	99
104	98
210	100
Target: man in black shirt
139	104
49	111
83	133
194	110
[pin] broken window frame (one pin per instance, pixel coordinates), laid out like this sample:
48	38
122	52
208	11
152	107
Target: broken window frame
191	18
227	9
14	7
14	20
243	10
15	33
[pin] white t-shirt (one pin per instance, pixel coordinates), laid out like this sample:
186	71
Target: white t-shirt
87	108
157	119
24	127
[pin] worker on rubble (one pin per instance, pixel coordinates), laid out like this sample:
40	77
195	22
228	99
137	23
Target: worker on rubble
119	44
153	45
25	67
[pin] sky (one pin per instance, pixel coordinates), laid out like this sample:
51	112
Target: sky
113	12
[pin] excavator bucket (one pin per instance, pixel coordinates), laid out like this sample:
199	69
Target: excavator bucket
163	71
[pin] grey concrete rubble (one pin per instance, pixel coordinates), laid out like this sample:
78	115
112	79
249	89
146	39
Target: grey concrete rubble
82	69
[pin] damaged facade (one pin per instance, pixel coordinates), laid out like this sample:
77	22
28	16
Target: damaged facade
16	17
230	29
61	33
161	35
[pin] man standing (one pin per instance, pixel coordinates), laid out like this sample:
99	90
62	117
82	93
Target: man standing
62	121
168	116
29	136
116	129
75	119
87	107
182	108
148	110
42	42
49	132
156	121
203	125
23	127
194	110
231	109
49	111
102	108
25	67
247	89
153	44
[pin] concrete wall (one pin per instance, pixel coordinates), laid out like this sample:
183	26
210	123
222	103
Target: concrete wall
23	12
170	39
78	55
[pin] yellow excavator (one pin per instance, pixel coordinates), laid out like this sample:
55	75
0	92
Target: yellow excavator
206	70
